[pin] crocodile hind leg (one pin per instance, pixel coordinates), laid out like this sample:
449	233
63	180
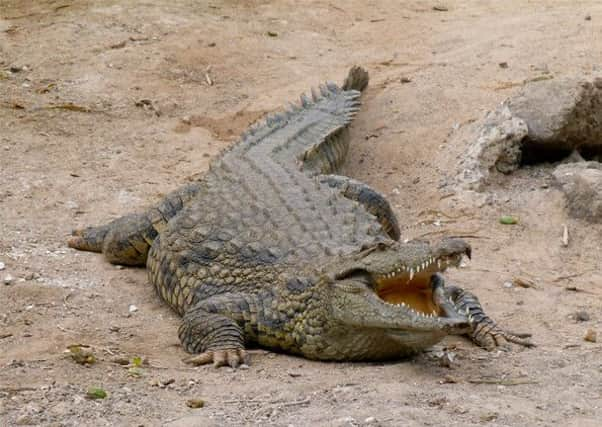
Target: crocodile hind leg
484	331
216	337
127	240
374	202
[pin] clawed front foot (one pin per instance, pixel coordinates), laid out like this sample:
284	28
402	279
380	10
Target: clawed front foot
484	331
227	357
490	337
214	337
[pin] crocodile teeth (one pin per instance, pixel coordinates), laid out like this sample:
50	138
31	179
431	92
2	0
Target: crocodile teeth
411	273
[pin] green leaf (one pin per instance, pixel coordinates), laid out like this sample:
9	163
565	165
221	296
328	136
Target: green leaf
96	393
508	220
137	361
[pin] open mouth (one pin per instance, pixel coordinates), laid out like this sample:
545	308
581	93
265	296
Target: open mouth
411	286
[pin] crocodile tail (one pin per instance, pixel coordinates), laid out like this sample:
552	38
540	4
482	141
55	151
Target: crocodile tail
357	79
88	239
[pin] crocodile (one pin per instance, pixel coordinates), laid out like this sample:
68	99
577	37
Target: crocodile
272	248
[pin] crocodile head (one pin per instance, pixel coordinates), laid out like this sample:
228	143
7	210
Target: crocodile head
395	289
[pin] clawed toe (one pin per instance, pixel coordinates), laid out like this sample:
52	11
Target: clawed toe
228	357
499	339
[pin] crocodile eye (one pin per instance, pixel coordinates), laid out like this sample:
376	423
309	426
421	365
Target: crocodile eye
358	275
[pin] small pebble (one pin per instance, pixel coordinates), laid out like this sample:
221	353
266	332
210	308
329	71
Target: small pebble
370	420
8	279
244	367
503	65
195	403
2	266
24	420
582	316
132	308
508	285
588	17
405	80
591	336
70	204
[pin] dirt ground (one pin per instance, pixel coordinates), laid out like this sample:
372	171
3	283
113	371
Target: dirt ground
107	105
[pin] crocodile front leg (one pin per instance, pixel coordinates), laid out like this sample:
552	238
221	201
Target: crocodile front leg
217	329
374	202
484	330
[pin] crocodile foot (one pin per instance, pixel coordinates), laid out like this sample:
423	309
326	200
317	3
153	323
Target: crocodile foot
232	357
484	330
491	337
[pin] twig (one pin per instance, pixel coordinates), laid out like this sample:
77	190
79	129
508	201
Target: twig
17	389
65	329
294	403
208	77
571	276
508	382
524	283
2	336
455	233
565	235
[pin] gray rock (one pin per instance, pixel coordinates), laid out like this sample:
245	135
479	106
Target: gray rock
582	316
545	117
582	186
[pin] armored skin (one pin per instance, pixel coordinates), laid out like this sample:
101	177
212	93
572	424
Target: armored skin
273	248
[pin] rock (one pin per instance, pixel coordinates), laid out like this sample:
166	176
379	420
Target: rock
488	416
508	285
2	266
70	204
503	64
370	420
588	17
545	121
591	335
345	422
132	308
8	279
582	316
582	186
24	420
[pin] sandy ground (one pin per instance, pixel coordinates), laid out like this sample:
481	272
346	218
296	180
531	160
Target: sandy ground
108	107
